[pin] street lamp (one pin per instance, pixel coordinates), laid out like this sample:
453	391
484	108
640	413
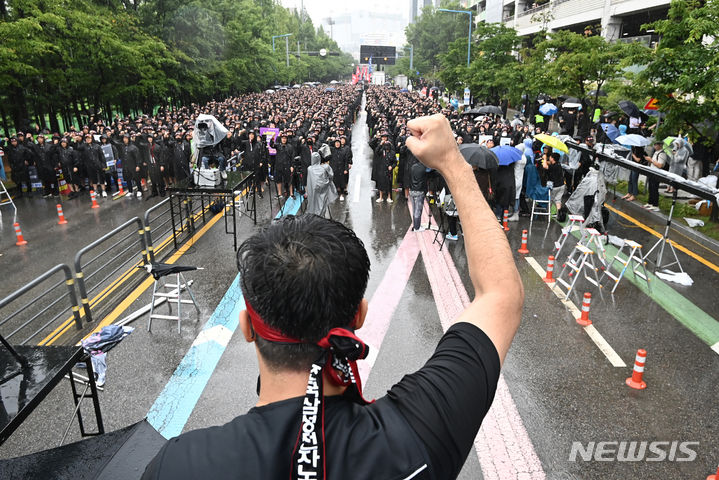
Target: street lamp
287	46
469	36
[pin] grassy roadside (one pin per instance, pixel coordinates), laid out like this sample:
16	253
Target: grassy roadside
710	229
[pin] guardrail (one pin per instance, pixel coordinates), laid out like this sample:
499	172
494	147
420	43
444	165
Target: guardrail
157	225
125	250
49	300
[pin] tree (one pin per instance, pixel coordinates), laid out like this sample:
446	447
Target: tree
432	34
492	73
682	71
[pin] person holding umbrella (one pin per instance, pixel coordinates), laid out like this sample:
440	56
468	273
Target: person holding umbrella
555	178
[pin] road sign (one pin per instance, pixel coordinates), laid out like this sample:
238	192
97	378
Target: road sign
466	96
323	52
652	104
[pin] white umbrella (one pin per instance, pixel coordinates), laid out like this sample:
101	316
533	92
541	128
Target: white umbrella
633	140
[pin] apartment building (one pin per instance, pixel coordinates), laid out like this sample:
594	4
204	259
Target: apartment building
613	19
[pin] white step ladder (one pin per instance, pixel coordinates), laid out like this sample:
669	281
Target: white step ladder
633	258
575	221
6	199
592	239
174	295
580	261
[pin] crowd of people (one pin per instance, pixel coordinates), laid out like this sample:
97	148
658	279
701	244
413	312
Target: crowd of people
153	152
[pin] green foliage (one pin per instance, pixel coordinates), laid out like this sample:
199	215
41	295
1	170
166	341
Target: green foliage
66	58
682	71
432	34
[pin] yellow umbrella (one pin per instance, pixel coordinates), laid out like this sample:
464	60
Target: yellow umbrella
553	142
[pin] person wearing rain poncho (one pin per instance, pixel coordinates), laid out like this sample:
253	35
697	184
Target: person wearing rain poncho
206	137
321	189
681	151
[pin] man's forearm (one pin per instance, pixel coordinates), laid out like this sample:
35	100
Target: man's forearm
491	265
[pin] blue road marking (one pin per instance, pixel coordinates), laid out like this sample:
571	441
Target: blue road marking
173	407
291	206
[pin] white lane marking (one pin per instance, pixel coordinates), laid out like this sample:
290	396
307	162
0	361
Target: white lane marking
356	185
596	337
218	333
715	347
417	472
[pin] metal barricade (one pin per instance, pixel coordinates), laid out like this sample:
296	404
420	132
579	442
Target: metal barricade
158	228
22	323
121	250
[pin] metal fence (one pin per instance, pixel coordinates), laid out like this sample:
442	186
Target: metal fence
44	316
103	267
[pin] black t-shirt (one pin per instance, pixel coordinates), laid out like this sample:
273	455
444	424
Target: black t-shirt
425	426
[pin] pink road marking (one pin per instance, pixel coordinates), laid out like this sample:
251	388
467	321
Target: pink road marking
503	446
385	300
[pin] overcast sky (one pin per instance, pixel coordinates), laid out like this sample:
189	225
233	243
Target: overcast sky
320	10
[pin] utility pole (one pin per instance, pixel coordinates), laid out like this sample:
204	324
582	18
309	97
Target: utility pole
287	50
411	58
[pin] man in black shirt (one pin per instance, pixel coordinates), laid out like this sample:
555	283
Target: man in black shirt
311	421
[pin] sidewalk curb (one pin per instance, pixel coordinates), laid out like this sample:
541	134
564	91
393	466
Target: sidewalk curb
635	208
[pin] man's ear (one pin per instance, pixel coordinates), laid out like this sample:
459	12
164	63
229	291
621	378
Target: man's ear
361	314
246	326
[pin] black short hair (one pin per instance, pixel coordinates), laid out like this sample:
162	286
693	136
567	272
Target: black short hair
303	275
557	157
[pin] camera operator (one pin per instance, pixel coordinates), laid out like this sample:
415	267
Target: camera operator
311	420
211	154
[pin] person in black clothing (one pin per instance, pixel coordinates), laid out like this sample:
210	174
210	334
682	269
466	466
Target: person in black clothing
311	420
284	168
44	153
417	193
155	166
555	174
19	158
93	160
340	167
66	160
131	164
384	161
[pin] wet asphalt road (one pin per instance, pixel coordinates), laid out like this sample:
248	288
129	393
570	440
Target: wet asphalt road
564	387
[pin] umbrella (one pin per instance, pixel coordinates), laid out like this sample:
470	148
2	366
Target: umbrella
471	111
479	156
611	131
269	90
334	82
562	97
668	146
329	89
553	142
571	100
548	109
630	108
506	154
571	105
594	93
655	113
633	140
404	90
490	109
296	85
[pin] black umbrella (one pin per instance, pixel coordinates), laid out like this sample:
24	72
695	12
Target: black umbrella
490	109
479	156
629	108
572	100
471	111
593	93
562	97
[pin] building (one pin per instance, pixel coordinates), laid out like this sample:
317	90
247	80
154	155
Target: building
613	19
416	7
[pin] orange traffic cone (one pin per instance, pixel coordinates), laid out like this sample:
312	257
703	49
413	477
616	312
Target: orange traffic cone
635	381
120	191
60	215
715	476
584	319
18	233
549	278
523	248
505	221
94	199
